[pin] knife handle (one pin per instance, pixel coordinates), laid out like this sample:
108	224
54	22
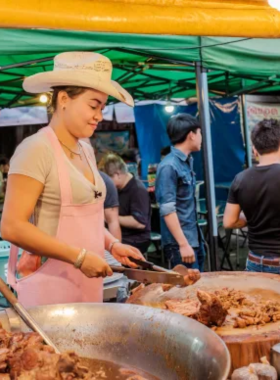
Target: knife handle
117	269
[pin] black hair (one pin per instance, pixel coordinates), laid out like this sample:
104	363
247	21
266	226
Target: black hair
265	136
72	92
4	161
180	125
165	151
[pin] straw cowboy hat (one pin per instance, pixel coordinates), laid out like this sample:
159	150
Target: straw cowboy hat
83	69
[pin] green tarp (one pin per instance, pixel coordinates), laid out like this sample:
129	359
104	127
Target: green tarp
149	66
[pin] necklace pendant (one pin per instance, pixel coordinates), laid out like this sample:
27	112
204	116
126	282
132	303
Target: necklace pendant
71	155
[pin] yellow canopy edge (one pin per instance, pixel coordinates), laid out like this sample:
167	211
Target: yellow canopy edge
177	17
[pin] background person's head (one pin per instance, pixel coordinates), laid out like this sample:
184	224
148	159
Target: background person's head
265	137
4	165
115	167
78	108
183	129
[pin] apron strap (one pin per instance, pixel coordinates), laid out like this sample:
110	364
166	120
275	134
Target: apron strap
12	266
65	193
63	172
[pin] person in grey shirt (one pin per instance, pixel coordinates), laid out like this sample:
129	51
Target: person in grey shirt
111	207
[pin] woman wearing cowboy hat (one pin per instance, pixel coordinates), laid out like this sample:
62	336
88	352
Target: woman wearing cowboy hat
55	195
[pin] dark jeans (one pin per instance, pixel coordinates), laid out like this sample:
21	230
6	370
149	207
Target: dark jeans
143	247
172	254
255	267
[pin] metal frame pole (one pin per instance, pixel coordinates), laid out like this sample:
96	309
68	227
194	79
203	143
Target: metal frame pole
246	131
26	63
204	116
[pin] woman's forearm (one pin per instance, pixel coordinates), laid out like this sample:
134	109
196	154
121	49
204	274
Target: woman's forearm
109	239
115	229
30	238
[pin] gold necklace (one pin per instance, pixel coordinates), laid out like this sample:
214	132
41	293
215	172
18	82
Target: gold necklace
72	153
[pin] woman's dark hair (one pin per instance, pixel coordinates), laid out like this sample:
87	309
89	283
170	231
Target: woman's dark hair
72	92
180	125
265	136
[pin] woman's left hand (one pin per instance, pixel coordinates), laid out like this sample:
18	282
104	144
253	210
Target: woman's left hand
122	252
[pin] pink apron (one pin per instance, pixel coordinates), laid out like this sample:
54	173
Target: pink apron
79	225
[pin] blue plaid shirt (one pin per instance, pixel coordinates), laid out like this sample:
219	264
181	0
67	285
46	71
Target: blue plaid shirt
175	192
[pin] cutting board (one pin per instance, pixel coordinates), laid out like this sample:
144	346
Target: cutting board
246	345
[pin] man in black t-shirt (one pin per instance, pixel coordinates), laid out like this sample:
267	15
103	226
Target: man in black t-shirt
134	203
254	200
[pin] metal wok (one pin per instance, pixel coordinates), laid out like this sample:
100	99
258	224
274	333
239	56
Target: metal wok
164	344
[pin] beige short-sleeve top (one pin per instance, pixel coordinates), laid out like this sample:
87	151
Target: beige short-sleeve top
35	158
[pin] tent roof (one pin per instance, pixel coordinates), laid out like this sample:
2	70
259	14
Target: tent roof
226	18
149	66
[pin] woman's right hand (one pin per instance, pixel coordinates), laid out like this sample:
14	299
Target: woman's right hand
95	266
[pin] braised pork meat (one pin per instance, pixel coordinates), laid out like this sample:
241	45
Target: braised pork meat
207	310
213	308
26	357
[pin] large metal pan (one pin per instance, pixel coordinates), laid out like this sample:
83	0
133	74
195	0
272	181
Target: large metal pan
164	344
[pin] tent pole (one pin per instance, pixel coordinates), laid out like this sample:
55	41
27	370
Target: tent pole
246	131
26	63
204	115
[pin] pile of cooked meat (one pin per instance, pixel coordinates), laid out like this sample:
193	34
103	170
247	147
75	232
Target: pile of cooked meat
211	309
207	310
249	311
25	357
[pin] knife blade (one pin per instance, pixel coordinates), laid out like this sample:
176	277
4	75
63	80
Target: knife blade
150	277
151	266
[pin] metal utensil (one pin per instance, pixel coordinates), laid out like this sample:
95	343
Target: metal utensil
151	266
150	277
23	313
166	345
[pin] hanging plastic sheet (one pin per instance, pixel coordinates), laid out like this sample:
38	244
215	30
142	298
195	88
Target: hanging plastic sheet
228	148
124	113
108	113
151	124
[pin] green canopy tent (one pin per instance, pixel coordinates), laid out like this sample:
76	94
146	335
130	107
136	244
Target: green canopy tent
151	67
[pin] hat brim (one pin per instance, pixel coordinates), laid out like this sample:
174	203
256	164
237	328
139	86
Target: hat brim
44	82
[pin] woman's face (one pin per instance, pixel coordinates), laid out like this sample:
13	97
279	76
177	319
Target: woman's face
82	114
